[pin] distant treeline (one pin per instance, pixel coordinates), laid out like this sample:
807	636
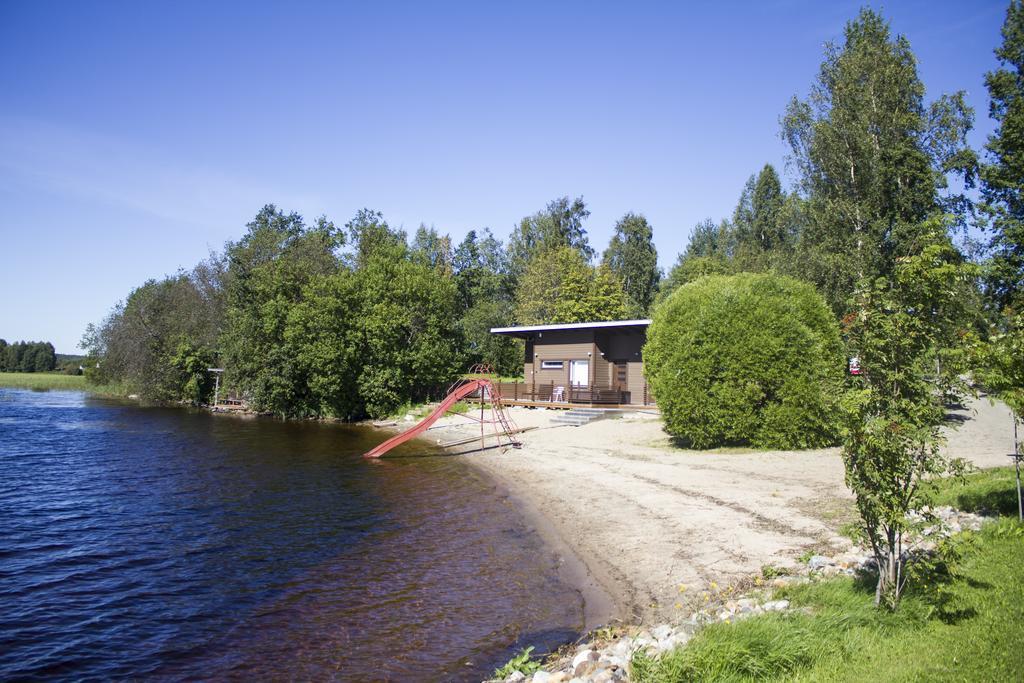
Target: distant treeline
25	356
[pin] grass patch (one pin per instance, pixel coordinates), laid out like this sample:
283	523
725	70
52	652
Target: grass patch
461	408
494	378
421	410
677	443
969	626
42	380
46	381
991	490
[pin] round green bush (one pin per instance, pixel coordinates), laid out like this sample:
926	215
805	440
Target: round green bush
747	359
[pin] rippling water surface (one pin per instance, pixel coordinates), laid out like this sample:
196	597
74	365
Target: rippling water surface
169	544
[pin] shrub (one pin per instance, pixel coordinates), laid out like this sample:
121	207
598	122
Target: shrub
521	663
747	359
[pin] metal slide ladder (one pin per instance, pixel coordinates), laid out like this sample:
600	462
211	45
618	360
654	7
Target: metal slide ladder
503	427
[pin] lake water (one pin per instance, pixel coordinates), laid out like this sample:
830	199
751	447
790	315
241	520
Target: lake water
163	543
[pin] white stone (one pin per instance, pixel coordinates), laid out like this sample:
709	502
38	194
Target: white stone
662	632
675	641
584	656
640	642
622	648
818	562
613	660
516	677
541	676
776	605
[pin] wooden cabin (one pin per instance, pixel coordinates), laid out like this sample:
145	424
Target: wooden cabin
598	363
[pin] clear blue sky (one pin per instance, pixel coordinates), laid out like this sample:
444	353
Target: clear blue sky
137	136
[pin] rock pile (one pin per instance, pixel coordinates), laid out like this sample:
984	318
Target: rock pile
607	659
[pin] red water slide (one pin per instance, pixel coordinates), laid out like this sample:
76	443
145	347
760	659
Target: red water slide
459	392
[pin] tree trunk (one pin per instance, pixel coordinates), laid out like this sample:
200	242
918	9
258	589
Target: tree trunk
888	586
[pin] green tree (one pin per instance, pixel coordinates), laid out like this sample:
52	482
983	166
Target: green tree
408	333
761	231
302	328
632	257
486	300
1002	189
25	356
1002	176
505	355
871	156
710	239
152	341
322	335
709	250
194	383
904	322
432	249
689	269
559	286
267	273
746	359
560	224
767	203
369	234
44	357
481	269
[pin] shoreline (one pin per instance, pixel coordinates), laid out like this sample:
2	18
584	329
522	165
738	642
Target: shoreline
642	530
647	531
600	606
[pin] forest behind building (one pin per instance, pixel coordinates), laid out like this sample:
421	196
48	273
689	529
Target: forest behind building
312	318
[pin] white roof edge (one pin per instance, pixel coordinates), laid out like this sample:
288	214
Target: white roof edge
570	326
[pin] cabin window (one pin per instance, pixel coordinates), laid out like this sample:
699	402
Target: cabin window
552	364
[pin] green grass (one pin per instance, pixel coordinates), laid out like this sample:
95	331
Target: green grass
992	490
45	381
493	378
522	663
964	624
421	410
42	380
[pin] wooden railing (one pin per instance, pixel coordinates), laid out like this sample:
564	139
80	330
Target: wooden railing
551	392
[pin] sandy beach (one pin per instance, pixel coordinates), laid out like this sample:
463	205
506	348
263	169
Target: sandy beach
644	528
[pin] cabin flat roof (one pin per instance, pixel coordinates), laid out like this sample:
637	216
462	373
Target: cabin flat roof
526	329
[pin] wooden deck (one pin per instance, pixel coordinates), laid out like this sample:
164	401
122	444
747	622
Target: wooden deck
551	395
558	405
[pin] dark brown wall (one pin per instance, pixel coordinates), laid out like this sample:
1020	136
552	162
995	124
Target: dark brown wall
563	345
601	347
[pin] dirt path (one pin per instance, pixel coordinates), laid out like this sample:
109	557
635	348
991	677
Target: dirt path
647	520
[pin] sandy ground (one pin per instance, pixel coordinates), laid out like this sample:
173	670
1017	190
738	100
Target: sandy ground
643	528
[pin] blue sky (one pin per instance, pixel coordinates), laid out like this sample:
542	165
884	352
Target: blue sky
135	137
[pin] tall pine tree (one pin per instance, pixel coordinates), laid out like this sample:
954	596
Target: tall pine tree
1003	176
632	257
1002	189
872	157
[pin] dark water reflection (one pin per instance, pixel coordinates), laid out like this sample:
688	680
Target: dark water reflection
162	543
